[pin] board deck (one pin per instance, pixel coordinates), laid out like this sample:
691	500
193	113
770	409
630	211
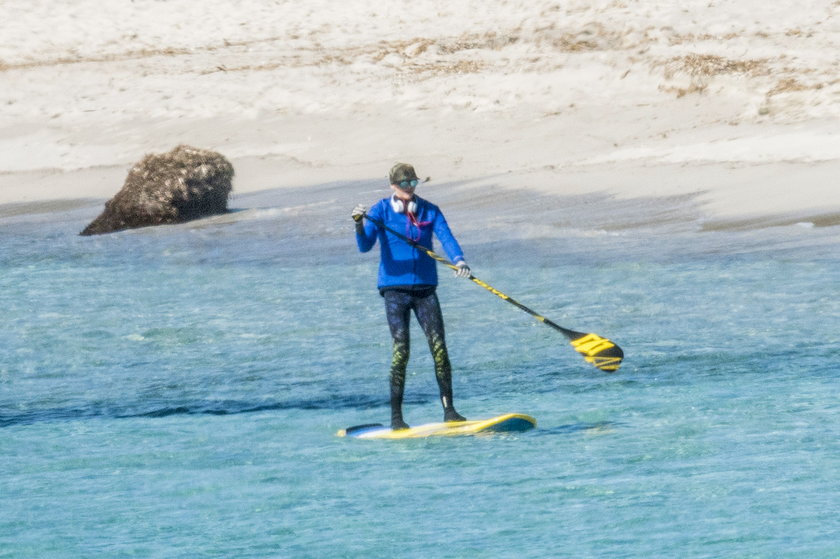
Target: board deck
511	422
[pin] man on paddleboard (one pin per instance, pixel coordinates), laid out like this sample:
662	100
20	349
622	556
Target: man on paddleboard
408	279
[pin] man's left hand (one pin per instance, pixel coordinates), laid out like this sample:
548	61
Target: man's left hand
463	270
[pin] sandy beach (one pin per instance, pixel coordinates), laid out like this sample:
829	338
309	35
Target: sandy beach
732	105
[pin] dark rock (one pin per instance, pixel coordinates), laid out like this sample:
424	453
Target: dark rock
186	183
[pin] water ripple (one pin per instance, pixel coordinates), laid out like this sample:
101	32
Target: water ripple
233	407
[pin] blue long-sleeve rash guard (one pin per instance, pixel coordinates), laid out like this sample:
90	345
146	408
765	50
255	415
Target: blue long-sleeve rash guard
401	265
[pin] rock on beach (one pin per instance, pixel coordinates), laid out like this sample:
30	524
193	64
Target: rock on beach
184	184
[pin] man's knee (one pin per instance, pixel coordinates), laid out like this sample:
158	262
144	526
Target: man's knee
401	351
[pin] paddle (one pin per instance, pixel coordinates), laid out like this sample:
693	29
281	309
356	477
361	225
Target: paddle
600	352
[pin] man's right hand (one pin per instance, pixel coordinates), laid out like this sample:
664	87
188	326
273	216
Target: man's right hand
358	213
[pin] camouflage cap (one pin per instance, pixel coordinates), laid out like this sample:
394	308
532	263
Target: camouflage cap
402	172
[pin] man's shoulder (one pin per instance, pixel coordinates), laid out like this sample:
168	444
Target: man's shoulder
428	205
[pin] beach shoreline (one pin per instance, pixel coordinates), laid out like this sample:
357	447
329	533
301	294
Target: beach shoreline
724	193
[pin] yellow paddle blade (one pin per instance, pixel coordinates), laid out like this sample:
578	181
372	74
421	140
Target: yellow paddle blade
600	352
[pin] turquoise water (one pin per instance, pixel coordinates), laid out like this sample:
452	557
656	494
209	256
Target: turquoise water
175	392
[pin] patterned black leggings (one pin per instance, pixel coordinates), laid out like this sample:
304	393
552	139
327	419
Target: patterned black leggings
398	307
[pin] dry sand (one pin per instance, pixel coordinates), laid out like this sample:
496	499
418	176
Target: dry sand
733	105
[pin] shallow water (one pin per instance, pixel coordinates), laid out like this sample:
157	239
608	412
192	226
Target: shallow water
175	392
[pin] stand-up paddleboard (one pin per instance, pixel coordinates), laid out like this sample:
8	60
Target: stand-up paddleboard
511	422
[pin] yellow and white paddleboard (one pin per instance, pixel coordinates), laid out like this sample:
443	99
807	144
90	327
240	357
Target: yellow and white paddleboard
511	422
